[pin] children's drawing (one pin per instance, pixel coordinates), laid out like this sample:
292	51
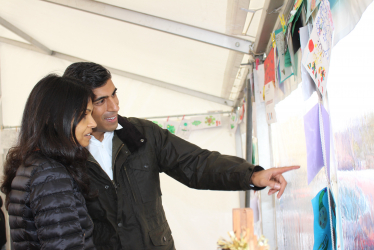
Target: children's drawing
285	71
196	123
171	129
316	55
269	67
210	120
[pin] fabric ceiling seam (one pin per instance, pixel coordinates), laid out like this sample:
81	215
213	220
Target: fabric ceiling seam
129	75
159	24
25	36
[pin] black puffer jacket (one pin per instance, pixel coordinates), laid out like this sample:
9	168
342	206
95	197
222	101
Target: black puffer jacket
46	209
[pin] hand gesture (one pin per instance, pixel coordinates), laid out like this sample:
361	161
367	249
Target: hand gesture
272	178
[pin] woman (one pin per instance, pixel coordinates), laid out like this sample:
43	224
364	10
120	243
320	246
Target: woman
45	180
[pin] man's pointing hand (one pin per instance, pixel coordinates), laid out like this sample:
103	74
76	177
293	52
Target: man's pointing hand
272	178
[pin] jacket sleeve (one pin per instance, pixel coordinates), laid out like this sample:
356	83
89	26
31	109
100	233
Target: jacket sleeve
200	168
54	208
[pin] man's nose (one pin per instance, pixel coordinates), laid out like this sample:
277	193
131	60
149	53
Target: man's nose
113	104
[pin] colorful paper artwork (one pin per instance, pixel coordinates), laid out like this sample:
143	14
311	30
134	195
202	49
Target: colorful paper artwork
210	120
308	85
311	6
322	226
269	67
259	82
314	150
284	72
316	54
201	122
196	123
269	103
234	119
172	126
185	128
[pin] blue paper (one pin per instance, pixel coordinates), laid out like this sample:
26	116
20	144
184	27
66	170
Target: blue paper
322	230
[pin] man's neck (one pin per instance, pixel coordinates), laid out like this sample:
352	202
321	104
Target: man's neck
98	135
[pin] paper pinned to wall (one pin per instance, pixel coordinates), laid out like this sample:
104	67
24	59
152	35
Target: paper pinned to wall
313	139
259	79
185	128
284	72
308	86
313	143
316	54
322	226
269	67
269	103
311	6
207	121
172	126
325	137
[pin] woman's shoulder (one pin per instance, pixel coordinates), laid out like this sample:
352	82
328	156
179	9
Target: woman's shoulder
39	164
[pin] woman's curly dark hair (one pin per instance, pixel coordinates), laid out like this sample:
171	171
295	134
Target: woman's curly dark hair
52	112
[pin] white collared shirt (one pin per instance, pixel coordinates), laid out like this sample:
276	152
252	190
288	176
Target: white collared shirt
102	151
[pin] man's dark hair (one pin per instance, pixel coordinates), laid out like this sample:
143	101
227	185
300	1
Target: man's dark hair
92	74
52	112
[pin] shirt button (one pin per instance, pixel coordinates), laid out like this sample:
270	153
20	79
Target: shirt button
126	152
106	187
141	140
164	238
145	166
120	224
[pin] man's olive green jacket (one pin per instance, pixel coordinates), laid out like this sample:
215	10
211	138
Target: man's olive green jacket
128	212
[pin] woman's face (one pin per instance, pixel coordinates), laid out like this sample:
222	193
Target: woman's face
84	128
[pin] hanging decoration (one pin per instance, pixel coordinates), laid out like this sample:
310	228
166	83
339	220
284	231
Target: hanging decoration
284	72
316	55
322	226
185	128
234	119
172	126
269	67
269	103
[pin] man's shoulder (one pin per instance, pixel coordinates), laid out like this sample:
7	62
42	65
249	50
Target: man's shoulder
125	121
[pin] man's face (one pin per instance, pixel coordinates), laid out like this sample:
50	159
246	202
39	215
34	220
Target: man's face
105	107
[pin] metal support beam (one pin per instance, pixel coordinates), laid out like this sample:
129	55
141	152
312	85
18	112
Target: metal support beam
130	75
248	149
25	36
158	23
268	19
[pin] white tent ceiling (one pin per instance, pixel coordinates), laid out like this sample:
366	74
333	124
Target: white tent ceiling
167	58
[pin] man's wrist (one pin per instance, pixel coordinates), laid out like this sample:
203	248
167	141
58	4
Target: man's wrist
253	176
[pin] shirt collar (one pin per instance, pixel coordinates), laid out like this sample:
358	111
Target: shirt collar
106	134
119	127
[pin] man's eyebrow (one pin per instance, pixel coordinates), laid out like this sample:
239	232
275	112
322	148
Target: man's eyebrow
100	98
89	110
115	90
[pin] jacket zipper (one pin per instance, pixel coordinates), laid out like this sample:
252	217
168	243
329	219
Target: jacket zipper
128	179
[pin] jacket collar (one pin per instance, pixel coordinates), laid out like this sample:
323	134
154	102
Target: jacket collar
130	135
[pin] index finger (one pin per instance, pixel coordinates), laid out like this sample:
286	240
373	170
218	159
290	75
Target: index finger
282	170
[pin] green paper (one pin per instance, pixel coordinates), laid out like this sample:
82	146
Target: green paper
287	59
196	123
296	60
297	17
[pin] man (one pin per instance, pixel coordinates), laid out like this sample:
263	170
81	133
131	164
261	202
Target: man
127	155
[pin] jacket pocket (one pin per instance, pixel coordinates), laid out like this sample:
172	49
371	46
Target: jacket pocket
161	236
146	176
